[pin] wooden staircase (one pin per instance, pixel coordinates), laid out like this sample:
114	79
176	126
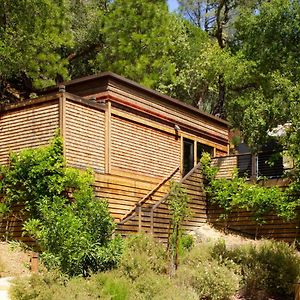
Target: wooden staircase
153	216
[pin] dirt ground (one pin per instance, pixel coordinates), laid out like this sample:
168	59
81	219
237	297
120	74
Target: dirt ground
207	233
13	260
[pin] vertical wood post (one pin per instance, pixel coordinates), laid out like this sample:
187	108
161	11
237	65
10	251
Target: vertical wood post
62	118
139	208
254	169
181	156
107	154
34	262
195	154
297	291
152	221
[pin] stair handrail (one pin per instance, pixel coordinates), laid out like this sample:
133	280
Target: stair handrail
137	207
163	199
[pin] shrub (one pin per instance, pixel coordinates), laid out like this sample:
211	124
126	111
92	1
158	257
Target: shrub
72	228
52	286
142	255
271	266
152	284
238	193
210	280
114	285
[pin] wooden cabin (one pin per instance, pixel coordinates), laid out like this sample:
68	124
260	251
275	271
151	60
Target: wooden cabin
134	138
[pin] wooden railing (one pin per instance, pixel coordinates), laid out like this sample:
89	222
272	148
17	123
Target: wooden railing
138	206
162	200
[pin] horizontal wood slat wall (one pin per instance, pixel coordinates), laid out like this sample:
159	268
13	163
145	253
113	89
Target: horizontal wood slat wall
84	136
226	166
142	149
170	111
161	217
123	192
241	221
11	226
27	127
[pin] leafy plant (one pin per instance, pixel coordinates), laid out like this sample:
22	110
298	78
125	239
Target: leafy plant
141	255
72	228
178	205
237	193
271	267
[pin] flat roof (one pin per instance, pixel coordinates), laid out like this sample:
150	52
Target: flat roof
106	76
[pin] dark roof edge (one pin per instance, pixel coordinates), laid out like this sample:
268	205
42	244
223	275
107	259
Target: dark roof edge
137	86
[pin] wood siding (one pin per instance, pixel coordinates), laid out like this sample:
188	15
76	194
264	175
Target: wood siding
226	166
142	149
208	131
123	192
241	221
193	184
84	136
27	127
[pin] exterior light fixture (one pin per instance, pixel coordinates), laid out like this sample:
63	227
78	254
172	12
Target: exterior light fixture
62	88
176	127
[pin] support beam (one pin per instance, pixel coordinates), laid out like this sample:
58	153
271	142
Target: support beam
107	155
62	119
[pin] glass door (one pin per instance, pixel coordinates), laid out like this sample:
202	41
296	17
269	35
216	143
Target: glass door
188	155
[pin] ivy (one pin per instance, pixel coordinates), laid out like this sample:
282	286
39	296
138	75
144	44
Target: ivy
237	193
72	228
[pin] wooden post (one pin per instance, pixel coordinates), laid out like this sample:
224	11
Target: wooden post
195	153
152	221
254	169
108	138
181	156
297	291
139	208
62	118
34	262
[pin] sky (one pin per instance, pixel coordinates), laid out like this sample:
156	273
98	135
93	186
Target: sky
172	4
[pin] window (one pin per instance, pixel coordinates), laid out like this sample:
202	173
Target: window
204	148
188	155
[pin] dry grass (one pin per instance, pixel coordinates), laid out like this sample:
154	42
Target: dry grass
13	260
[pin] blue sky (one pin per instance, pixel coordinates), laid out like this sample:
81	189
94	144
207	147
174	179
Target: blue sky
172	4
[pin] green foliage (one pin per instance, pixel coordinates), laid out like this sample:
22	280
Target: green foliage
272	267
73	228
238	193
210	280
207	275
141	255
178	205
208	271
31	36
138	40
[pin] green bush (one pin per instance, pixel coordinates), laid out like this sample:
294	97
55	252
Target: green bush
238	193
114	285
72	228
52	286
141	255
210	280
210	277
271	267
